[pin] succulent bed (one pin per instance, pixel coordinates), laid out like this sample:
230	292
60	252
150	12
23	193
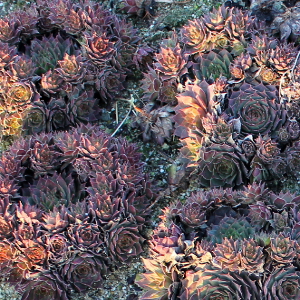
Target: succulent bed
76	202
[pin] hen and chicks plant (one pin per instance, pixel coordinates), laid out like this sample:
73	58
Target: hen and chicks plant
73	208
74	204
235	112
61	63
234	101
225	244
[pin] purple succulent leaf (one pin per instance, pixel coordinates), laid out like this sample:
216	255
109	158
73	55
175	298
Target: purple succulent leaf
124	241
45	285
83	270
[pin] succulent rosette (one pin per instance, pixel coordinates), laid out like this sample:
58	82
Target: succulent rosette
282	250
258	108
255	192
20	94
8	252
56	221
83	107
230	228
252	257
282	283
23	67
86	236
240	65
157	281
220	166
99	49
58	115
35	253
57	246
110	84
240	24
212	65
47	52
8	53
192	215
218	40
102	207
193	105
267	149
83	271
35	120
71	68
45	286
51	191
217	19
124	241
10	31
282	57
12	124
228	254
44	158
53	83
268	76
195	36
212	283
218	130
171	62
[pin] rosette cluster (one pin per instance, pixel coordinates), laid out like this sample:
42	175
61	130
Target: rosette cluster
229	90
225	244
61	63
73	207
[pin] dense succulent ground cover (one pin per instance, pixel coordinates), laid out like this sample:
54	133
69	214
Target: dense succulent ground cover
61	64
75	201
227	86
73	206
230	87
225	244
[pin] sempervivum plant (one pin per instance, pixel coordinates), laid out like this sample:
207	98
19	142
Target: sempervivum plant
235	250
74	207
56	51
258	108
220	165
232	89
